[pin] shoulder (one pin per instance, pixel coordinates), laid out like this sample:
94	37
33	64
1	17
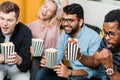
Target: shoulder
35	22
64	36
90	31
20	27
63	33
102	44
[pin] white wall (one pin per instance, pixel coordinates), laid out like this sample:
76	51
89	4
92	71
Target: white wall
95	11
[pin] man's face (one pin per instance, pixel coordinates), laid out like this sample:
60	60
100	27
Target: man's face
7	22
112	34
70	23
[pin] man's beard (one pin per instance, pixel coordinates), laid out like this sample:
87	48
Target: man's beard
116	48
73	31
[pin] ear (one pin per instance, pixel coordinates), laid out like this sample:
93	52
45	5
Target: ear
81	22
18	20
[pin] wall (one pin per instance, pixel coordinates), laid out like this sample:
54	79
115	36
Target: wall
95	11
32	7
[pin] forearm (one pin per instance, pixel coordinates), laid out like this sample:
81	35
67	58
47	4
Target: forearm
115	76
62	4
79	73
89	61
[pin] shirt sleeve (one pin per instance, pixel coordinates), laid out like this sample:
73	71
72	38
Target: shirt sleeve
60	48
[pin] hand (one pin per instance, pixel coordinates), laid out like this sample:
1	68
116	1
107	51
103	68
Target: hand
1	58
79	55
43	62
105	57
64	2
61	70
14	58
66	50
31	50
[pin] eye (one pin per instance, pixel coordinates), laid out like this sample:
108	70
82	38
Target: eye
1	18
62	19
70	20
111	34
44	6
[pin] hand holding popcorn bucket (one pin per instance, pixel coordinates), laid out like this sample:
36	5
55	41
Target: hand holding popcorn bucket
7	49
72	49
51	57
37	45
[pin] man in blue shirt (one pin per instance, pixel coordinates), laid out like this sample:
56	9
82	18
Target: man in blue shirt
108	53
73	24
89	40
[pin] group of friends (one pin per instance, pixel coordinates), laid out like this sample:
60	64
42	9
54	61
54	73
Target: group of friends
97	58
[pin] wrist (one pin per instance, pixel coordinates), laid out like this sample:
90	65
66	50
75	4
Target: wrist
20	61
70	75
110	70
108	65
80	56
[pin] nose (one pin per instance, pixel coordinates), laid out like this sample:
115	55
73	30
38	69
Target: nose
5	22
46	10
107	37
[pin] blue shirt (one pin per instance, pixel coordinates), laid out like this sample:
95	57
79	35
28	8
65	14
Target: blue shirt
88	40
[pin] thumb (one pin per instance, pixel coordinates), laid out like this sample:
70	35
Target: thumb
66	48
61	63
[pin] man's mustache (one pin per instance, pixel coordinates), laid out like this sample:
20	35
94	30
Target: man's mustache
67	26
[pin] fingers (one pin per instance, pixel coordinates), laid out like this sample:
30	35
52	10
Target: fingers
62	64
43	62
105	53
11	60
14	58
78	53
58	70
61	70
1	58
31	50
65	51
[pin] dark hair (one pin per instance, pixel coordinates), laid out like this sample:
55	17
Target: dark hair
112	16
8	7
74	9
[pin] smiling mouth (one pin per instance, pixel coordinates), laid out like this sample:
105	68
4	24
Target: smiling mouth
43	14
109	45
5	28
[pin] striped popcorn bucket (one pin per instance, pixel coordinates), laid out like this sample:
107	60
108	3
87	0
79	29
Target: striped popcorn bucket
37	45
51	57
7	48
72	49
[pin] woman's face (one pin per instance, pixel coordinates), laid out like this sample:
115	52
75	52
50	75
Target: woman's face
48	10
